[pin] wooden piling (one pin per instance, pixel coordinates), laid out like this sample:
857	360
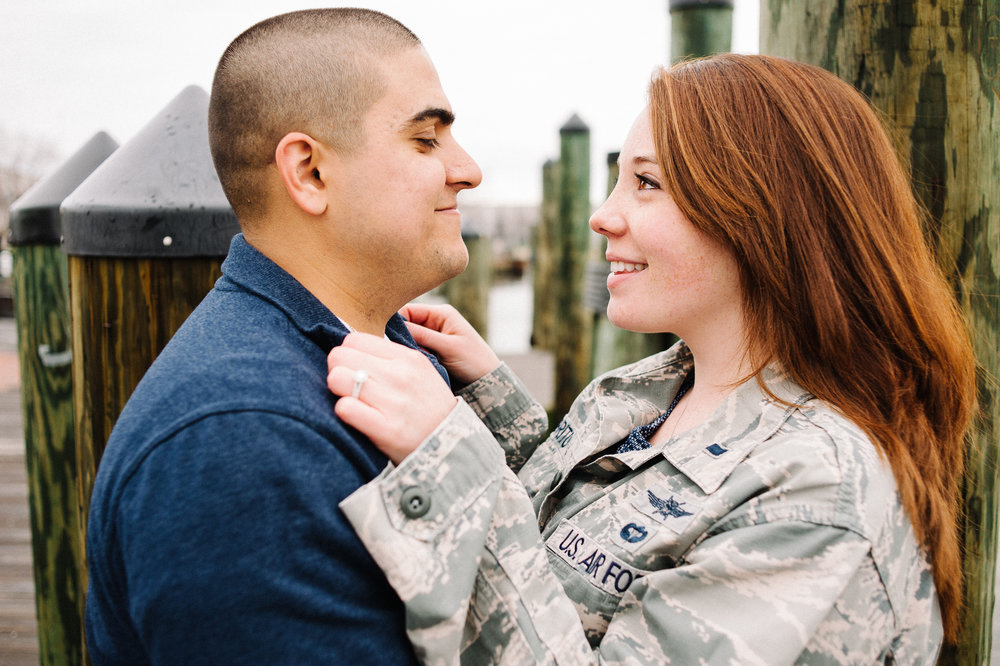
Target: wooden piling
544	262
934	69
42	313
470	291
700	28
145	236
573	322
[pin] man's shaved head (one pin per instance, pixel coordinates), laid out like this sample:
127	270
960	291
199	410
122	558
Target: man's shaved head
313	71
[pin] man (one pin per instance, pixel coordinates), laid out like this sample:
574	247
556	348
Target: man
215	535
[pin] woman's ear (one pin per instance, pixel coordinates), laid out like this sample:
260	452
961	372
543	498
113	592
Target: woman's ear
298	158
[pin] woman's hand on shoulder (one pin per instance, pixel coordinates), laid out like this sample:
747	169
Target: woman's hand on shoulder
442	330
390	393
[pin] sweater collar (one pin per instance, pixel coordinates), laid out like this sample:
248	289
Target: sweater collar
253	271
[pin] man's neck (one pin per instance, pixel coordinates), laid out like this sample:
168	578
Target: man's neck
374	330
359	309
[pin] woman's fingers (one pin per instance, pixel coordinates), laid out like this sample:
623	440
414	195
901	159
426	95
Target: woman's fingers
443	318
361	350
343	381
464	354
389	392
441	344
373	423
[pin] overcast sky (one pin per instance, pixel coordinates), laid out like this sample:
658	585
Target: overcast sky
514	71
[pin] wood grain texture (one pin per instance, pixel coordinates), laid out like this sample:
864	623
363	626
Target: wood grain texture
41	299
124	311
573	322
546	233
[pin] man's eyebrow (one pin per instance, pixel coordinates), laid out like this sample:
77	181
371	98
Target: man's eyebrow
443	116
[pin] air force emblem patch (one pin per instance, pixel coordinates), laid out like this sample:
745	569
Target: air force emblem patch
668	508
671	508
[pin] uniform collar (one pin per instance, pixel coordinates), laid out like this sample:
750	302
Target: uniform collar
709	453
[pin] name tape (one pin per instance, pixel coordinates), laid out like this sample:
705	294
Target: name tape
602	569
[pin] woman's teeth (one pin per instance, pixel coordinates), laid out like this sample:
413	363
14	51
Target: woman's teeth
623	267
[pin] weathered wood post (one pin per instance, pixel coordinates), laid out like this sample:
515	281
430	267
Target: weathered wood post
544	303
595	293
145	235
700	28
934	69
573	323
613	346
470	291
41	302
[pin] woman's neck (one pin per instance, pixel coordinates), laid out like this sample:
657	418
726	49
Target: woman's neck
720	366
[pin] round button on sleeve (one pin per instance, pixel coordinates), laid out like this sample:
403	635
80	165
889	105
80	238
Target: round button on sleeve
415	502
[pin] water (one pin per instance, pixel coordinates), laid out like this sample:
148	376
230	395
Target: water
509	317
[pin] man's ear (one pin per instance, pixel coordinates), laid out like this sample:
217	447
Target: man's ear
298	158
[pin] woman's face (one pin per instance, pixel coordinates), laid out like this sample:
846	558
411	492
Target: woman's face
666	276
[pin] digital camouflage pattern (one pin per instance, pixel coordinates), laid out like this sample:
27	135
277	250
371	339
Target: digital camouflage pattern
771	534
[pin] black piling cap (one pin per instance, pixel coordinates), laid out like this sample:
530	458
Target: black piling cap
34	217
574	124
694	4
157	196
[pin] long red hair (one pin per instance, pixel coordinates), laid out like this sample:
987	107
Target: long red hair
792	170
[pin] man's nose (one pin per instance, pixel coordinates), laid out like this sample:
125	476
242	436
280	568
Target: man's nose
463	172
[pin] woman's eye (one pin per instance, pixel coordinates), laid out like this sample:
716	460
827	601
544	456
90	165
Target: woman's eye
646	183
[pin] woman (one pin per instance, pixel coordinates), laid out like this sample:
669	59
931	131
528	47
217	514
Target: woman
792	497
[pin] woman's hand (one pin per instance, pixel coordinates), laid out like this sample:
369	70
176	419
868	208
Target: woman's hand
402	397
443	331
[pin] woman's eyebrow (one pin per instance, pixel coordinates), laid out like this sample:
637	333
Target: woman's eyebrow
640	159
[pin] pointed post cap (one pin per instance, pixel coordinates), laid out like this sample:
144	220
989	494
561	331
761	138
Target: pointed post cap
573	125
34	217
157	196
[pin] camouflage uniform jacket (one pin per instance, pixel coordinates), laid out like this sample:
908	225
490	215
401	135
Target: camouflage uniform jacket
771	534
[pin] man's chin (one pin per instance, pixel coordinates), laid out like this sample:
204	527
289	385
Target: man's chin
456	264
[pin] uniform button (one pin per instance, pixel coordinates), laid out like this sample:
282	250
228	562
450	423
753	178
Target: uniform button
415	502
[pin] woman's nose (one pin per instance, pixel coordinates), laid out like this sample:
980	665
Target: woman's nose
607	220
